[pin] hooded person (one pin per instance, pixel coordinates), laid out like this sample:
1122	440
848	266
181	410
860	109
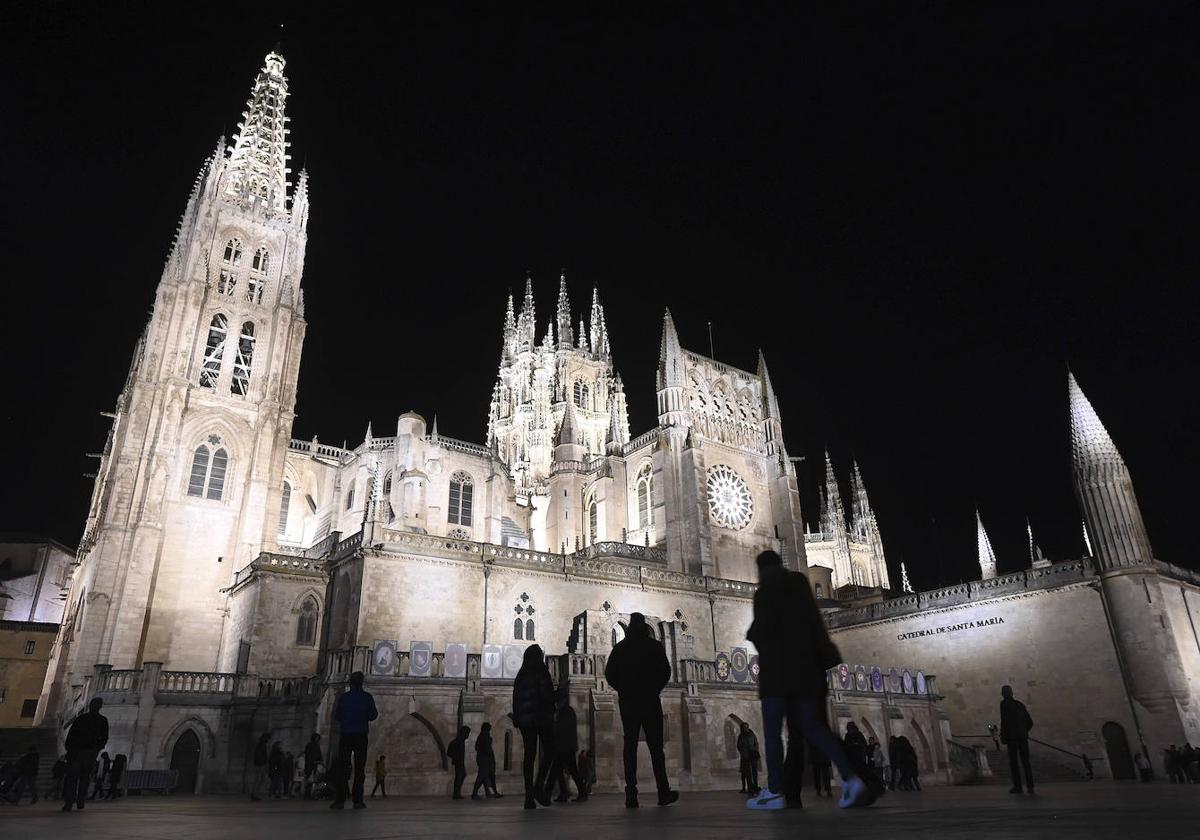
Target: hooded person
794	651
533	714
639	670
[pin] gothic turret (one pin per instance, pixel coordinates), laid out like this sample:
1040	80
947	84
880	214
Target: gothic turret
833	514
510	330
563	315
257	172
673	409
987	557
905	586
771	422
1105	489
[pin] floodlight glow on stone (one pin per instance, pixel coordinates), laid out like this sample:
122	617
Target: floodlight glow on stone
729	500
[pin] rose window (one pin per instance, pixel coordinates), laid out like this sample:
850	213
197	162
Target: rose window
729	501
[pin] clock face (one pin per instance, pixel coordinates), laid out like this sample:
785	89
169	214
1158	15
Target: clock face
729	502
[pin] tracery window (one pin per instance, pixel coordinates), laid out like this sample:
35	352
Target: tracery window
593	519
306	622
259	266
350	499
285	502
581	394
523	626
462	492
643	495
207	478
241	365
231	262
214	350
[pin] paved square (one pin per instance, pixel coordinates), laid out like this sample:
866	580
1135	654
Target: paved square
1099	810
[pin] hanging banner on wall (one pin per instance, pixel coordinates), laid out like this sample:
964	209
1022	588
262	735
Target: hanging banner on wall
754	668
739	663
722	663
513	656
492	662
876	679
456	660
383	657
420	659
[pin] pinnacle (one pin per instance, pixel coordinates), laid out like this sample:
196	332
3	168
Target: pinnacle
987	557
1090	441
568	432
257	174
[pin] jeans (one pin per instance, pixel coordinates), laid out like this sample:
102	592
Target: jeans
804	716
80	765
1019	750
643	716
530	738
352	752
460	776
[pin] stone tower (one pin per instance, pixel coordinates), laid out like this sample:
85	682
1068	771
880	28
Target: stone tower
1130	585
189	486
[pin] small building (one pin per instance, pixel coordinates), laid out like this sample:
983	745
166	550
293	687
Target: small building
34	576
24	653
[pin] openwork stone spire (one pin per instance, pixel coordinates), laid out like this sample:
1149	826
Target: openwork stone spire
563	315
1091	444
987	557
833	515
905	586
257	172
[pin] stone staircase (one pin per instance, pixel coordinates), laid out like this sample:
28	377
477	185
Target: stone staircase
1047	766
15	741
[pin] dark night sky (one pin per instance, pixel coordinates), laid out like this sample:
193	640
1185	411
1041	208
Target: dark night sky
922	213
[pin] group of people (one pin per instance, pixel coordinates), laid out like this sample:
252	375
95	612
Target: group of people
73	774
1182	765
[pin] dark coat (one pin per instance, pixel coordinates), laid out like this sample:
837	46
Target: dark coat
794	649
355	711
27	765
275	763
456	750
638	667
483	748
533	698
88	732
260	752
566	738
1015	721
312	756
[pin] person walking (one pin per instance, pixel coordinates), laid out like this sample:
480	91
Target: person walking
312	759
287	776
485	764
101	774
262	778
533	715
26	772
1171	765
880	759
911	770
354	712
794	651
380	776
748	755
1143	766
275	770
587	770
86	737
639	670
116	775
566	743
58	774
1088	770
456	751
1015	724
822	771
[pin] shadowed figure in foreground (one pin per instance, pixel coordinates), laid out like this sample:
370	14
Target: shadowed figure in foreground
354	712
794	652
638	669
86	737
533	714
1015	724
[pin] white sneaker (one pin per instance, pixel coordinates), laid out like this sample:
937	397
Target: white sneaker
767	800
855	793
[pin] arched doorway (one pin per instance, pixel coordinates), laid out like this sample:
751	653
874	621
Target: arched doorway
924	757
1117	747
186	759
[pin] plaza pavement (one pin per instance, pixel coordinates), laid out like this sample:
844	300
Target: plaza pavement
1097	810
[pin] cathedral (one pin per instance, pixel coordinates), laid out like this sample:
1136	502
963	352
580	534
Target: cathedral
231	577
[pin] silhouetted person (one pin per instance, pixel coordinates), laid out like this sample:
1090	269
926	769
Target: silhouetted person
822	771
1143	766
26	772
1015	724
566	743
261	757
289	774
485	763
533	714
1088	770
587	770
312	758
893	751
747	747
1171	764
58	773
380	776
354	713
102	768
638	669
910	770
794	651
275	770
116	775
456	751
86	737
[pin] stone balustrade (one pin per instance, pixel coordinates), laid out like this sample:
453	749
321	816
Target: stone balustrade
196	682
124	680
640	441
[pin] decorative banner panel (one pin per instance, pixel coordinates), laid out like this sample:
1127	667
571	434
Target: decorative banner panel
908	682
492	662
876	679
860	678
844	678
513	656
739	663
754	668
383	657
893	681
456	660
922	686
420	659
722	663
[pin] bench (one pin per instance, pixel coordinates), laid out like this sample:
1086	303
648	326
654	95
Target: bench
163	781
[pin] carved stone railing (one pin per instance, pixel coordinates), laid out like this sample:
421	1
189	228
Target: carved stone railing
278	687
125	680
459	445
279	563
622	551
641	441
699	671
315	448
195	682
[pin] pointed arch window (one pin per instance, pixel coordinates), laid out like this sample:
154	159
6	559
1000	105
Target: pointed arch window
350	499
214	351
231	261
245	358
207	478
593	519
259	266
523	626
462	497
306	622
644	488
518	629
580	393
285	502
